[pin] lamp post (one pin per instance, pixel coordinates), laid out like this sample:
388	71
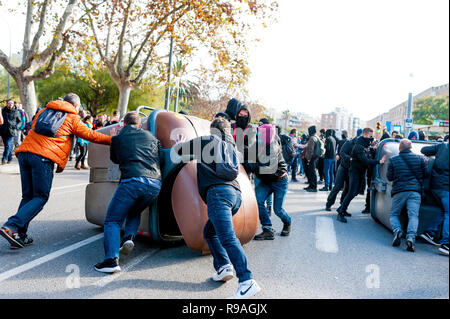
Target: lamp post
166	105
409	119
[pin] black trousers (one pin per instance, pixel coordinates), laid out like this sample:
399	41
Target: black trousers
341	182
82	156
355	179
320	165
311	174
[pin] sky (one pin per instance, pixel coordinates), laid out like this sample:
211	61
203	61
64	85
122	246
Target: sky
323	54
359	55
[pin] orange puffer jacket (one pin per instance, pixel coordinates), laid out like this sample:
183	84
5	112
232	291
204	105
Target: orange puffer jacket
57	149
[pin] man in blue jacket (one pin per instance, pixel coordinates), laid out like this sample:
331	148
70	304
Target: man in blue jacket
407	171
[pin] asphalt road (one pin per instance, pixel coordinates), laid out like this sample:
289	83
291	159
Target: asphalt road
322	258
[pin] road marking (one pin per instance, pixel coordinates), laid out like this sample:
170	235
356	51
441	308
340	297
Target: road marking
110	278
32	264
325	235
70	186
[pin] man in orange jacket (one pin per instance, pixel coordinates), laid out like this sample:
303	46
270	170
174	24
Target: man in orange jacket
37	157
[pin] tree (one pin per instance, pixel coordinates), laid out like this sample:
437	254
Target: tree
129	36
41	49
431	108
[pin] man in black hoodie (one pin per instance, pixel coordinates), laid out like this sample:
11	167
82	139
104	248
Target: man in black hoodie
329	160
244	134
223	198
360	161
312	158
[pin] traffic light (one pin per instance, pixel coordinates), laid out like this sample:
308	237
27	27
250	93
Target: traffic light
378	127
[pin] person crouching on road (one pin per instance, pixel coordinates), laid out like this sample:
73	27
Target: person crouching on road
223	198
37	157
407	171
137	152
271	171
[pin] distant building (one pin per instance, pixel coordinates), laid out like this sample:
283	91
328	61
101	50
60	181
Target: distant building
398	114
340	119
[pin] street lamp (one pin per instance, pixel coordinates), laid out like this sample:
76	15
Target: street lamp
409	119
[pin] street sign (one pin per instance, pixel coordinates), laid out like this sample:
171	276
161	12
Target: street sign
408	123
440	123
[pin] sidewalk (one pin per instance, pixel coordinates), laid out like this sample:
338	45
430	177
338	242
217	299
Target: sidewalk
12	167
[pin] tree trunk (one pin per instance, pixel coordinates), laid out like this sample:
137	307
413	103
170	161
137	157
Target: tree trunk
27	94
124	97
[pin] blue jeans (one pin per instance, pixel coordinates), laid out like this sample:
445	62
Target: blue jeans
443	197
279	189
269	199
328	171
128	202
412	201
223	202
294	167
8	142
36	174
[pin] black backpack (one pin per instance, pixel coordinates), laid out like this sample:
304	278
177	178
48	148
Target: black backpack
227	161
49	122
288	148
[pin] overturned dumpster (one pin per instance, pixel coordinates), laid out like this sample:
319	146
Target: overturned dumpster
179	214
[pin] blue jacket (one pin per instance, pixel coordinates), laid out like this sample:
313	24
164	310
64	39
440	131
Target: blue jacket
406	178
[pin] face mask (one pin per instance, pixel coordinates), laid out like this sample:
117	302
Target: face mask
343	137
367	141
242	121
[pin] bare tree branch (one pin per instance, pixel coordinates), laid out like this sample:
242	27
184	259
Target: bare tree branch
121	39
40	30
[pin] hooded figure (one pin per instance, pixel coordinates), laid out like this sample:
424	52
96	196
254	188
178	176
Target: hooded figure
413	136
385	136
422	136
242	120
312	130
233	107
359	132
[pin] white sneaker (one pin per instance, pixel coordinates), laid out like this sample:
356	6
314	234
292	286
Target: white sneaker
225	273
246	290
127	247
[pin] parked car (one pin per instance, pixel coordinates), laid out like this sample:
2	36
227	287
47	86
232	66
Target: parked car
179	214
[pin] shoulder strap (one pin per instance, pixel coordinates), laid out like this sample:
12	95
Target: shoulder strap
410	168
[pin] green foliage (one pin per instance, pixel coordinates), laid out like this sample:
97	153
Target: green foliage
98	98
13	91
431	108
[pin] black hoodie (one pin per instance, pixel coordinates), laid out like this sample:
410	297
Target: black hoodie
330	145
245	136
232	108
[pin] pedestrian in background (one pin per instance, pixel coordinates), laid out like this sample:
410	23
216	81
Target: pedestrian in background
12	121
83	146
137	152
37	157
294	163
406	171
329	160
440	189
312	156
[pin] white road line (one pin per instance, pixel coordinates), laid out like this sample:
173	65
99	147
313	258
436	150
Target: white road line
32	264
70	186
325	235
110	278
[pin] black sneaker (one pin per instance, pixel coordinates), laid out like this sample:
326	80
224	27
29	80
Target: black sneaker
347	214
341	218
410	246
27	241
324	189
311	190
127	245
328	209
397	238
443	250
365	211
286	230
429	238
265	235
12	237
108	266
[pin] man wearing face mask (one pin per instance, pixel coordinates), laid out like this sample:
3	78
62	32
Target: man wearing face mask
360	161
244	134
